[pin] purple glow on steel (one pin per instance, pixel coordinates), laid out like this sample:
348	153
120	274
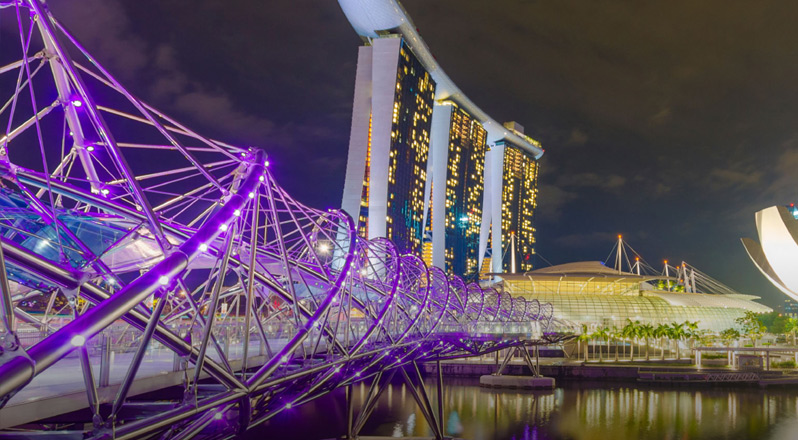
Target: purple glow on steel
350	282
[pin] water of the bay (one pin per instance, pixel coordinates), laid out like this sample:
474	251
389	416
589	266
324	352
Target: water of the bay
576	410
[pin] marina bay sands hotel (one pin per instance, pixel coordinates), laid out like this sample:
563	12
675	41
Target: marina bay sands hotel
427	168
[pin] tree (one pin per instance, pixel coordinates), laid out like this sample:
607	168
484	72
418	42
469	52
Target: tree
729	335
791	326
631	331
661	332
601	334
677	332
775	322
646	331
583	337
614	334
751	325
691	332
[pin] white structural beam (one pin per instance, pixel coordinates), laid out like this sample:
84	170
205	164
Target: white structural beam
384	64
359	134
439	149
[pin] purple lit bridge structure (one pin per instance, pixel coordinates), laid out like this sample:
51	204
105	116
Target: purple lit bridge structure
160	284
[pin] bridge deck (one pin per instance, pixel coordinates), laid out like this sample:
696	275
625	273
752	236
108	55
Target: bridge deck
61	389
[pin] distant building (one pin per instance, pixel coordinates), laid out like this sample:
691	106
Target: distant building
425	163
593	294
519	203
788	308
458	156
389	143
776	253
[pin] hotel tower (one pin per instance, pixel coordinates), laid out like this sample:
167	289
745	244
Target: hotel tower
427	168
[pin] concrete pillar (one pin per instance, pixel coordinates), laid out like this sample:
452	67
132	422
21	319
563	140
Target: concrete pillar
358	135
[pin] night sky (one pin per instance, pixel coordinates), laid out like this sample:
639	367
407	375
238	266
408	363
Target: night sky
668	122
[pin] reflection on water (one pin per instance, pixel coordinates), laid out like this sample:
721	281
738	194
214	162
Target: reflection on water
579	411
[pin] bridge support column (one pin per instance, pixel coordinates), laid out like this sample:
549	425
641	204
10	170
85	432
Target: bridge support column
378	384
417	388
507	358
535	381
105	361
440	397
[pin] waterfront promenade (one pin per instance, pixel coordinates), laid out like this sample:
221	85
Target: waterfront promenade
670	372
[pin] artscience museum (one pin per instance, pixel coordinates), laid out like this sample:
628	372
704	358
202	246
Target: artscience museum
776	253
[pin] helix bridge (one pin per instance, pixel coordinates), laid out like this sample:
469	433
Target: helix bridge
139	256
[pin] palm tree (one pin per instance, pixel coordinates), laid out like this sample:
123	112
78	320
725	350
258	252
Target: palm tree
615	334
646	331
677	333
602	333
631	331
661	332
691	332
583	337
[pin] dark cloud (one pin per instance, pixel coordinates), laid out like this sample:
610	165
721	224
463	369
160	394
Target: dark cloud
669	122
580	240
577	137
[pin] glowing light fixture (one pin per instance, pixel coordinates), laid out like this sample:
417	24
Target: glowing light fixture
78	340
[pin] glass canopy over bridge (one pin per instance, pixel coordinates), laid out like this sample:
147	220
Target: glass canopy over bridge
138	255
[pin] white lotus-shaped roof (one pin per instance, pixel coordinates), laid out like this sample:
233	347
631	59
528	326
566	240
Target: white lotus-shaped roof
776	254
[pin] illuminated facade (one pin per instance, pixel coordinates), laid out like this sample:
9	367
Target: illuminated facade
511	190
422	153
390	138
458	156
593	294
519	202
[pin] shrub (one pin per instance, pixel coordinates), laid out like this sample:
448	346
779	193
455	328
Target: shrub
786	364
714	356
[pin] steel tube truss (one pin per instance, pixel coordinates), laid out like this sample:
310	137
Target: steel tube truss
134	248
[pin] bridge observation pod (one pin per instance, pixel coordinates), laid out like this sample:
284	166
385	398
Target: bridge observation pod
139	255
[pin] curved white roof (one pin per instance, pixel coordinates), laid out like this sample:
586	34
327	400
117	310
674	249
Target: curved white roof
776	254
584	268
710	300
370	17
